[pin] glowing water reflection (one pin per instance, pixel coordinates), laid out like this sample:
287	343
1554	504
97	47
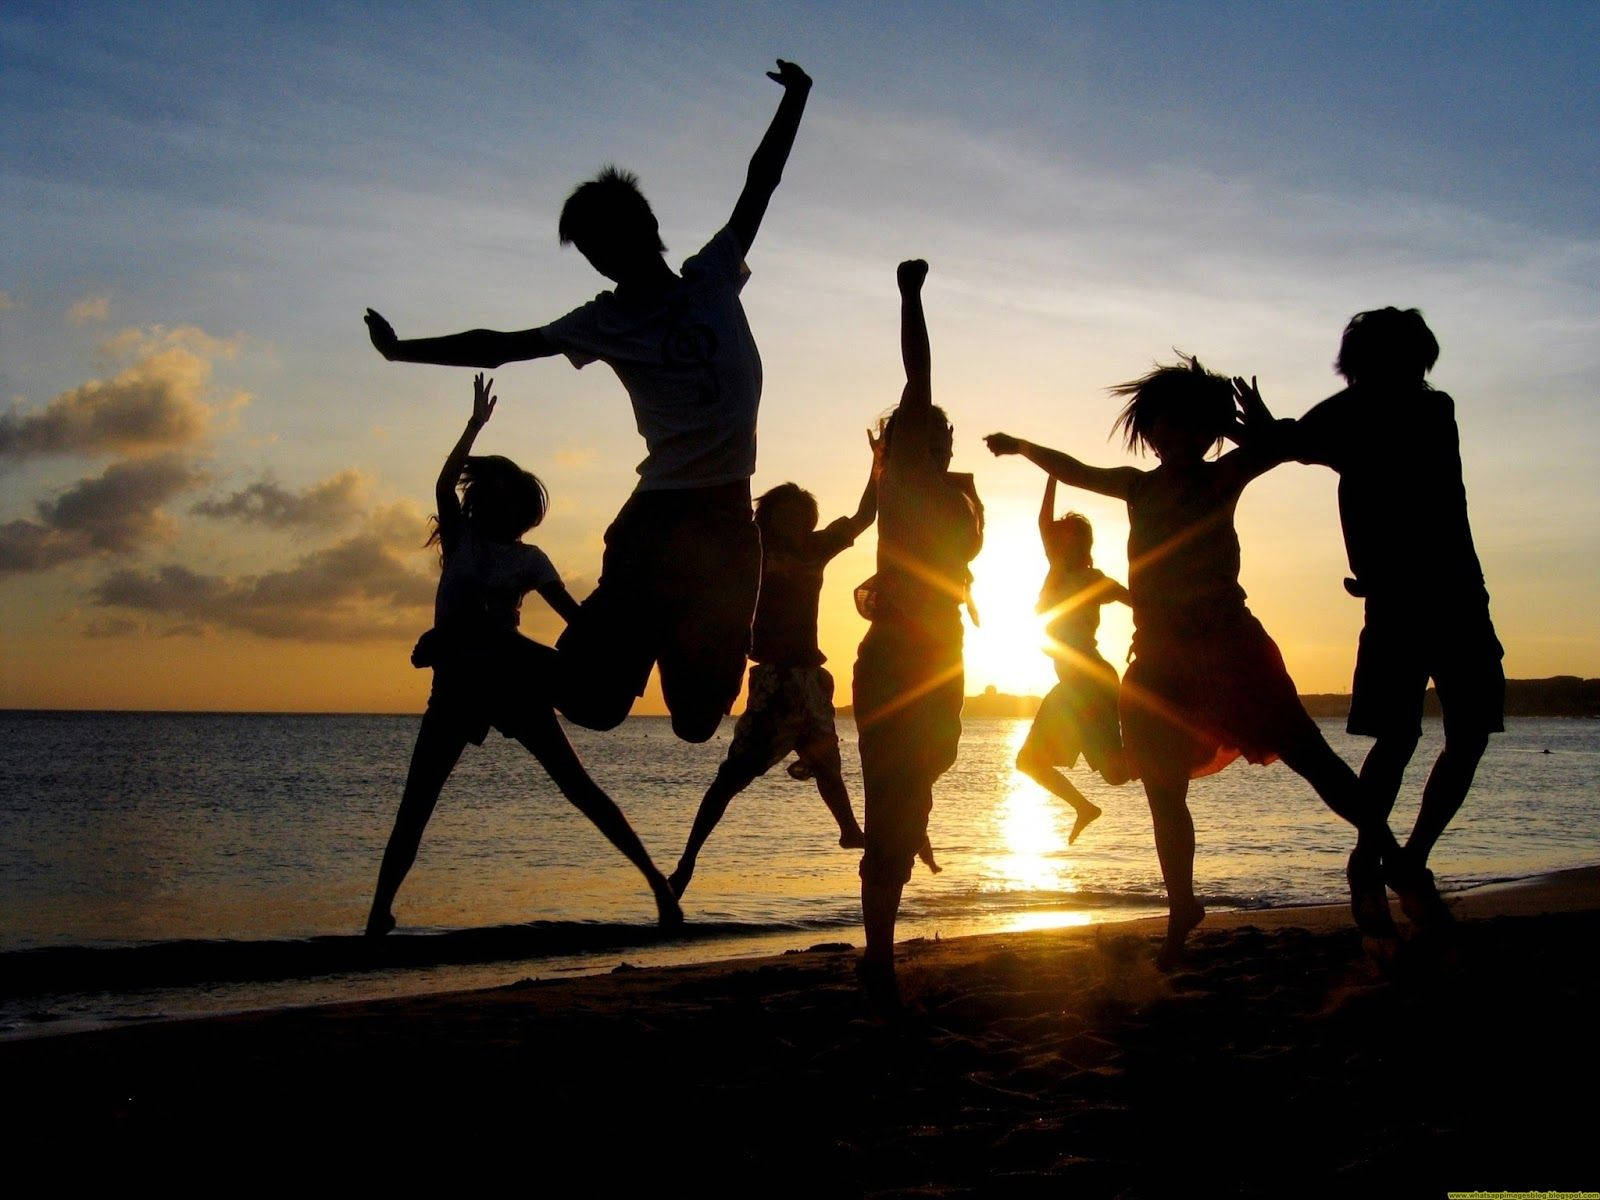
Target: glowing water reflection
1031	834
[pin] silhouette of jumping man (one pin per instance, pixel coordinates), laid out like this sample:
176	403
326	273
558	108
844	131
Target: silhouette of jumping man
790	706
1078	715
1206	683
481	663
908	673
682	562
1394	443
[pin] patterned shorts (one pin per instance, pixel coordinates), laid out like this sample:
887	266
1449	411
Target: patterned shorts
789	709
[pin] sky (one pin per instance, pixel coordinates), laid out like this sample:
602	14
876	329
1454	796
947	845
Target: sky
213	493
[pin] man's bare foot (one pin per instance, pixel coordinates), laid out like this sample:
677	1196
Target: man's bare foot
668	914
1086	813
852	839
1369	903
678	881
379	924
1180	920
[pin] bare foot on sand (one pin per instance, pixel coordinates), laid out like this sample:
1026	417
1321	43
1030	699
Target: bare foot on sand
1086	813
1419	896
379	924
1369	902
1180	920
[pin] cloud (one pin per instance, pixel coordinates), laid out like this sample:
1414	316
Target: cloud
155	404
89	309
363	588
115	512
332	502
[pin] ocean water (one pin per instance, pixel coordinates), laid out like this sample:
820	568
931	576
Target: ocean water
161	864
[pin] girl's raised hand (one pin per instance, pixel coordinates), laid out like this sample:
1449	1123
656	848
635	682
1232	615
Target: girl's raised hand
381	333
483	400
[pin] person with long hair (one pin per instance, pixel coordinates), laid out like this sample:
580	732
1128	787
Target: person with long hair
482	664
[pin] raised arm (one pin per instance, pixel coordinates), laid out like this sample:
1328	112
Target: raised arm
867	510
486	348
1047	508
1115	482
1262	442
444	490
766	164
909	446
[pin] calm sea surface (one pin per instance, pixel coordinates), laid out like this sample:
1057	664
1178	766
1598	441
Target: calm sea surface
130	844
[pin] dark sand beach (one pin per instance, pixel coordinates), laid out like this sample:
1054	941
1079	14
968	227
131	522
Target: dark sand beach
1282	1061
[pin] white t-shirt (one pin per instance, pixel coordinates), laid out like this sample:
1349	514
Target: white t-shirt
483	582
689	363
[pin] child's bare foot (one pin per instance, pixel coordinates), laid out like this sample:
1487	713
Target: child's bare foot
1086	813
678	881
926	855
1180	920
668	914
379	924
852	839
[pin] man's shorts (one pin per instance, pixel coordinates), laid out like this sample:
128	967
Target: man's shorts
790	709
677	589
1403	646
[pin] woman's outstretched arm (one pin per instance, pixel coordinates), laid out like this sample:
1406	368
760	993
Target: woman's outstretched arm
486	348
1115	482
444	489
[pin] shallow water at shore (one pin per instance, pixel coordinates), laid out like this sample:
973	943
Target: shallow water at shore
131	844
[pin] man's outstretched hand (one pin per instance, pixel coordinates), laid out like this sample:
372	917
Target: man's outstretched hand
382	334
790	76
1003	443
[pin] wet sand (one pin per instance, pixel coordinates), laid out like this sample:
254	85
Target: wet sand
1283	1060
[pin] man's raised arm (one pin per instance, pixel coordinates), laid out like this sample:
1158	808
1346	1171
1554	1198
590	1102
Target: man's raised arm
483	348
766	164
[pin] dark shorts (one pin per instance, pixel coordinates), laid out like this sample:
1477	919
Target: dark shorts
677	590
1200	698
908	693
502	683
1402	647
1079	717
789	710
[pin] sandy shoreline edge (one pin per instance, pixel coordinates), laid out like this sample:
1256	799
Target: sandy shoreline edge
1283	1059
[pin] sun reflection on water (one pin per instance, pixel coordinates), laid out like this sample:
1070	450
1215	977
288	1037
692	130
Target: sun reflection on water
1031	832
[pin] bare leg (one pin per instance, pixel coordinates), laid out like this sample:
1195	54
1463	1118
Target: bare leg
730	781
830	786
547	742
1446	790
436	753
1046	775
1334	781
1167	790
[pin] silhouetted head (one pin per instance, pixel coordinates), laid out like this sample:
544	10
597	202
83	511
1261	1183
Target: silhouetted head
785	514
941	435
1178	412
1387	345
499	499
1069	541
610	222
